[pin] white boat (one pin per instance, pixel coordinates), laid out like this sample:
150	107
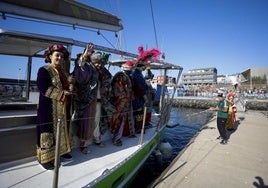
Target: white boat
108	166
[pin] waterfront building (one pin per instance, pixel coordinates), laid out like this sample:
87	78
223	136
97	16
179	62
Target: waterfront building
201	76
158	80
254	76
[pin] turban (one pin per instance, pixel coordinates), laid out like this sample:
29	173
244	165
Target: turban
127	65
55	47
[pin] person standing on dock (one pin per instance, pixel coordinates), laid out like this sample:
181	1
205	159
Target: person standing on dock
232	113
222	115
54	106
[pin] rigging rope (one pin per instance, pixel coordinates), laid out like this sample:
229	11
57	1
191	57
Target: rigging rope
154	23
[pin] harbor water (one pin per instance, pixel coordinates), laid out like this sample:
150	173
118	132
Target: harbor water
183	125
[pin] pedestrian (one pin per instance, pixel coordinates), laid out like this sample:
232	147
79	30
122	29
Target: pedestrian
222	115
121	98
232	112
86	78
54	104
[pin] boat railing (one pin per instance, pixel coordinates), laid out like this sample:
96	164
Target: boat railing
20	125
164	113
241	102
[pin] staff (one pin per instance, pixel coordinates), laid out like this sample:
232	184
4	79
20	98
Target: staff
57	155
143	124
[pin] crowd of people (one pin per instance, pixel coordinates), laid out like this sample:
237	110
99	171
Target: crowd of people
90	99
226	116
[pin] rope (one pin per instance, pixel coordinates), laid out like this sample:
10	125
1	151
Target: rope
154	23
190	118
48	123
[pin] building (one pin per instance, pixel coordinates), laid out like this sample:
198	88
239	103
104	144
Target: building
158	80
228	79
255	75
202	76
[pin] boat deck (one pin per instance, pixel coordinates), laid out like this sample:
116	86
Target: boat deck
76	173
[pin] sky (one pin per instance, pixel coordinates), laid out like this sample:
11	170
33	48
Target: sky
230	35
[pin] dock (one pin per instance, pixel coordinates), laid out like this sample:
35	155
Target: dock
241	163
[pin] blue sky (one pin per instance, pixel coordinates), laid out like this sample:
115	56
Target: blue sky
231	35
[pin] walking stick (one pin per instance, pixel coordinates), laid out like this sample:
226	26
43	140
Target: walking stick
143	125
57	155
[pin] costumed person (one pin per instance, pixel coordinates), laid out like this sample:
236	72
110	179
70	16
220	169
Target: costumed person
104	109
150	92
232	112
86	79
121	98
140	98
139	84
222	115
129	128
54	103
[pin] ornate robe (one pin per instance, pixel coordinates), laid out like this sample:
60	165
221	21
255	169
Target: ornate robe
139	90
232	116
86	79
121	98
53	105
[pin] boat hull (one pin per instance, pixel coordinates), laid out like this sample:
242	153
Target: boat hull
123	174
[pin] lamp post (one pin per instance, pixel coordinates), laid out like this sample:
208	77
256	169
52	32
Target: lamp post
19	76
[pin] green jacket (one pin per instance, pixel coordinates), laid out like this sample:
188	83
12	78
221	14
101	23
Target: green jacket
221	105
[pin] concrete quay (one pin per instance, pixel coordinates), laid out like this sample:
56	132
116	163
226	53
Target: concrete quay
205	103
241	163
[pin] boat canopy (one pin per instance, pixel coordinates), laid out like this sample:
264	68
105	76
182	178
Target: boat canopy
62	11
27	44
30	44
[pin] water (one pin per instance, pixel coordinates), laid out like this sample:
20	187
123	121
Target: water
186	122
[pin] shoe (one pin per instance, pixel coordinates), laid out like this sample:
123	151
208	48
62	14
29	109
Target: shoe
99	144
224	142
118	143
132	136
48	165
148	125
67	157
232	129
84	150
219	137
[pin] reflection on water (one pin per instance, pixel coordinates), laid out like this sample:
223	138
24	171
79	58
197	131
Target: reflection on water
185	123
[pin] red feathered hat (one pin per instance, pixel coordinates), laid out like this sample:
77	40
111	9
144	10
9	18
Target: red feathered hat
146	55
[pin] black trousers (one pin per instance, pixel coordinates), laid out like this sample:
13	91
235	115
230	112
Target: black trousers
221	123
